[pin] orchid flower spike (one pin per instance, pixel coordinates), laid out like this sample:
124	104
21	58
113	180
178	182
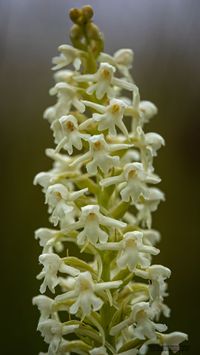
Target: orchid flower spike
100	291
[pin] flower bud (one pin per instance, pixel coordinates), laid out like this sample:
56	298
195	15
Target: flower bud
75	32
87	12
93	31
75	14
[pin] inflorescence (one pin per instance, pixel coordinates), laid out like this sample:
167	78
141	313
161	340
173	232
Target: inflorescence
100	195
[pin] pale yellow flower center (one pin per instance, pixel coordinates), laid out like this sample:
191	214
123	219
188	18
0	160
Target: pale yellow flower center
58	195
132	173
130	243
91	216
140	315
70	126
115	108
84	285
97	145
105	74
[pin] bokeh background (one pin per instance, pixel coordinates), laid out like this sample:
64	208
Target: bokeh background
165	37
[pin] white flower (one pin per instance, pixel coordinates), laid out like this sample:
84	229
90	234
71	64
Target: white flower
60	201
61	170
52	263
109	117
145	327
134	179
172	341
169	341
149	205
44	305
131	155
67	135
148	144
43	179
124	57
157	274
104	81
141	112
151	236
61	166
68	55
52	331
122	60
65	75
48	239
98	351
147	110
153	141
90	220
158	307
67	97
99	155
141	319
132	251
84	294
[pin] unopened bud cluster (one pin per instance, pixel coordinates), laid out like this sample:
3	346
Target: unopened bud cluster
100	195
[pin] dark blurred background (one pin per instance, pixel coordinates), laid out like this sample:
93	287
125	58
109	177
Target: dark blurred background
165	38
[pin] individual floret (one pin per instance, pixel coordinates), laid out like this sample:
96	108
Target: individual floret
99	155
68	55
45	306
104	81
52	264
141	320
60	201
53	332
121	59
109	117
134	179
149	205
157	274
67	134
132	251
68	96
84	294
90	220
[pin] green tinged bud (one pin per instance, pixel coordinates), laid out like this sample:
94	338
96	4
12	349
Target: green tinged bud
81	16
84	34
87	12
76	32
92	31
75	14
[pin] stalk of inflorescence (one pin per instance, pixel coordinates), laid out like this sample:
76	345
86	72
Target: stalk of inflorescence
100	193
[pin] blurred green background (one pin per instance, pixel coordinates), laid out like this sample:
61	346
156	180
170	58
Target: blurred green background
165	37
